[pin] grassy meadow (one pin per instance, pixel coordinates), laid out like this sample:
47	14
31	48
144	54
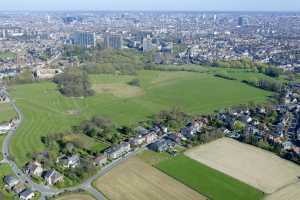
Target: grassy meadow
207	181
6	112
2	137
46	111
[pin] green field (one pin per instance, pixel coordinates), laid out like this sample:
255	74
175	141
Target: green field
7	55
85	142
152	157
46	111
6	112
207	181
4	171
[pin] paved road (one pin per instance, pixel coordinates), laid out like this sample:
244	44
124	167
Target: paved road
49	191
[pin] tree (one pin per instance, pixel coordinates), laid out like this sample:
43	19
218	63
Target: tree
98	127
74	83
239	126
273	72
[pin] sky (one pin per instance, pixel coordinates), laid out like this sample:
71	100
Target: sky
195	5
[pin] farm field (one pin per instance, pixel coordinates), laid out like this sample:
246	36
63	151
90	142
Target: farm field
145	183
46	111
75	196
249	164
290	192
6	112
207	181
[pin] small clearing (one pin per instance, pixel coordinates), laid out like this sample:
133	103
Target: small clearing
118	90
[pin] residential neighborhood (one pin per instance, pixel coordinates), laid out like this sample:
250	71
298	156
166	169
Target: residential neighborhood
15	185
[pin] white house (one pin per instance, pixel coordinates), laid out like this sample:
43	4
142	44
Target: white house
26	194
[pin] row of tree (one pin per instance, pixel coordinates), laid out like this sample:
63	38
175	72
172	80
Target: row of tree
270	85
249	64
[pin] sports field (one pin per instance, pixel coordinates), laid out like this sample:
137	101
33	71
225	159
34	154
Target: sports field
207	181
249	164
75	196
136	180
6	112
46	111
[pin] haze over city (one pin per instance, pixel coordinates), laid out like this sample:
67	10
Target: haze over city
171	5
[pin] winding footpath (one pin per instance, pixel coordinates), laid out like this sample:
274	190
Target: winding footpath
46	191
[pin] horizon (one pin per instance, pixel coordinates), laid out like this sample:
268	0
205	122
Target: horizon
154	5
158	11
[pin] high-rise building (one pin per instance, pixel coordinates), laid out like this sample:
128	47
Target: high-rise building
147	44
84	39
243	21
113	41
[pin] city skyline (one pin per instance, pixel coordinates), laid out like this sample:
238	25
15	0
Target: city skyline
154	5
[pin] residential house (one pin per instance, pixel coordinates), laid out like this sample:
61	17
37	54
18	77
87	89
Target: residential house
52	177
160	146
151	137
141	131
287	145
20	187
26	194
34	169
137	141
246	119
118	150
69	161
100	160
10	181
173	137
191	129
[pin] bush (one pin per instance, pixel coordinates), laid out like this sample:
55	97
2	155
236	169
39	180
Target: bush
225	76
135	82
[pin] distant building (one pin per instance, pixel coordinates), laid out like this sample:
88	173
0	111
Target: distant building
84	39
113	41
243	21
147	44
46	73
